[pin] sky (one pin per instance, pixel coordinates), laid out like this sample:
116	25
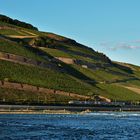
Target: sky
108	26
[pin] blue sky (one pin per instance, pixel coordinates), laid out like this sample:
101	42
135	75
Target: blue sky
108	26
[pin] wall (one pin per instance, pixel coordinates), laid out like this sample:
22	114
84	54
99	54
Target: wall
6	27
27	87
24	60
65	60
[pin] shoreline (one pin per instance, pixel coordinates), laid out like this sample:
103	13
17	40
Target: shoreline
55	112
43	112
30	109
38	112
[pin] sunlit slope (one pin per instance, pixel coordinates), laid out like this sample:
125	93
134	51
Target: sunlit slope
71	66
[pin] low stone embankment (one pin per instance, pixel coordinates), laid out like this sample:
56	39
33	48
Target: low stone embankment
27	87
82	63
7	28
24	60
65	60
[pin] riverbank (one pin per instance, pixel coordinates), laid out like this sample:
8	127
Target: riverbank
37	112
30	109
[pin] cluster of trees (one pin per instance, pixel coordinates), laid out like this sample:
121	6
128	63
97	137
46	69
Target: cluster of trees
6	19
45	42
103	57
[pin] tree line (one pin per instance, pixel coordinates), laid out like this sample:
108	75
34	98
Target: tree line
16	22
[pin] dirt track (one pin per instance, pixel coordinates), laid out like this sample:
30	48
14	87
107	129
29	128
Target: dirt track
136	90
21	37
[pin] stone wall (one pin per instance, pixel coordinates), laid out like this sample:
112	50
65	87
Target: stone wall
12	85
104	98
24	60
6	27
14	57
45	90
26	87
86	64
65	60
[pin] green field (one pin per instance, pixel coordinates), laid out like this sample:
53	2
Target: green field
10	32
118	93
15	48
101	75
56	52
41	77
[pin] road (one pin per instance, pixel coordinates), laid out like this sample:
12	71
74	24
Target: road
69	108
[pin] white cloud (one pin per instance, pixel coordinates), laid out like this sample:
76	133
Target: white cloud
120	46
124	46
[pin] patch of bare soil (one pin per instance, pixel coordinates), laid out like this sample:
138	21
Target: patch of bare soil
135	89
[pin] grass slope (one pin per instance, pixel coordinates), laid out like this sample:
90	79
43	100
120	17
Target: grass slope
75	77
15	48
116	92
41	77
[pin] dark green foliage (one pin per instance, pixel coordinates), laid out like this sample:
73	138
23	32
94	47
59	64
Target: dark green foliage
16	22
44	41
126	69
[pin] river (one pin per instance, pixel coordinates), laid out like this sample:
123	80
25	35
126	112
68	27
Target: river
90	126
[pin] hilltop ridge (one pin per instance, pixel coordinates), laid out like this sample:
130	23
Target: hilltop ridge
16	22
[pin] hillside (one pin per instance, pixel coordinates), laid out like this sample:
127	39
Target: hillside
40	68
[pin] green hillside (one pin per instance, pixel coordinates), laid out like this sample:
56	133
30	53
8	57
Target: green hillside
67	66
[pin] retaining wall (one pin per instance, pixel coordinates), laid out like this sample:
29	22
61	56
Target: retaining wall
65	60
27	87
24	60
31	88
6	27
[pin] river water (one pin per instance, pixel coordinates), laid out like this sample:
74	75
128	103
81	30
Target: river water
91	126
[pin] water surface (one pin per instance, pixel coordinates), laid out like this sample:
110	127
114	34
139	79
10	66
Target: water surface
92	126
